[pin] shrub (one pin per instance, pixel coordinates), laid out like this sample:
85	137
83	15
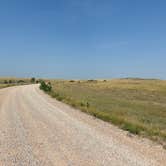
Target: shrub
20	81
82	104
92	81
40	80
73	104
5	82
55	95
133	128
33	80
10	81
46	86
71	81
60	98
87	104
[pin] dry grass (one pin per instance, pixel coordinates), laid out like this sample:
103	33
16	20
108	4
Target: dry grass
7	82
133	104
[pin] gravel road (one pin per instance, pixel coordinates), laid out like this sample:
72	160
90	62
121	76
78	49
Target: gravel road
38	130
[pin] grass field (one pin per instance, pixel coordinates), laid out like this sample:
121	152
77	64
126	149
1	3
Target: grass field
135	105
7	82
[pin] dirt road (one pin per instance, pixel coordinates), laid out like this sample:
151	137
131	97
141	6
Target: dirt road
38	130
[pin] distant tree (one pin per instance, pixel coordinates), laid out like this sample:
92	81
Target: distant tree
93	81
5	82
10	81
33	80
20	81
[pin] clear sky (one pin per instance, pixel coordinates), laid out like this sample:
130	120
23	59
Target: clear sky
83	38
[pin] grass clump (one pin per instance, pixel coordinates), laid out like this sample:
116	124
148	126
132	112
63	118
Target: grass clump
132	128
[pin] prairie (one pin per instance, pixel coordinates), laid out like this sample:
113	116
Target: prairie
7	82
135	105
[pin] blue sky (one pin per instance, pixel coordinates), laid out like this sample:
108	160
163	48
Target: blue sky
83	38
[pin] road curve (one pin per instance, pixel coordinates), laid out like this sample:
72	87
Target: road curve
38	130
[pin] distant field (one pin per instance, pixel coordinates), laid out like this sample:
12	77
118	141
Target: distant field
7	82
3	86
136	105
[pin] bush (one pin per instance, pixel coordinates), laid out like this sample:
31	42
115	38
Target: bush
46	86
92	81
20	81
71	81
10	81
33	80
132	128
87	104
59	98
5	82
55	95
82	104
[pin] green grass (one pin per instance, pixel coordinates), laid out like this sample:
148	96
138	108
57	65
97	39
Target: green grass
135	105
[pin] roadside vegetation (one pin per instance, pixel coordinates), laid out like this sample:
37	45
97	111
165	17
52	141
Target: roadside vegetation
135	105
7	82
45	86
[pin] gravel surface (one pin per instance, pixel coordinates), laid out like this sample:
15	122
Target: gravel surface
38	130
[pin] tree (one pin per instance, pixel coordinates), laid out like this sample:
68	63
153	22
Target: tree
33	80
5	82
20	81
10	81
